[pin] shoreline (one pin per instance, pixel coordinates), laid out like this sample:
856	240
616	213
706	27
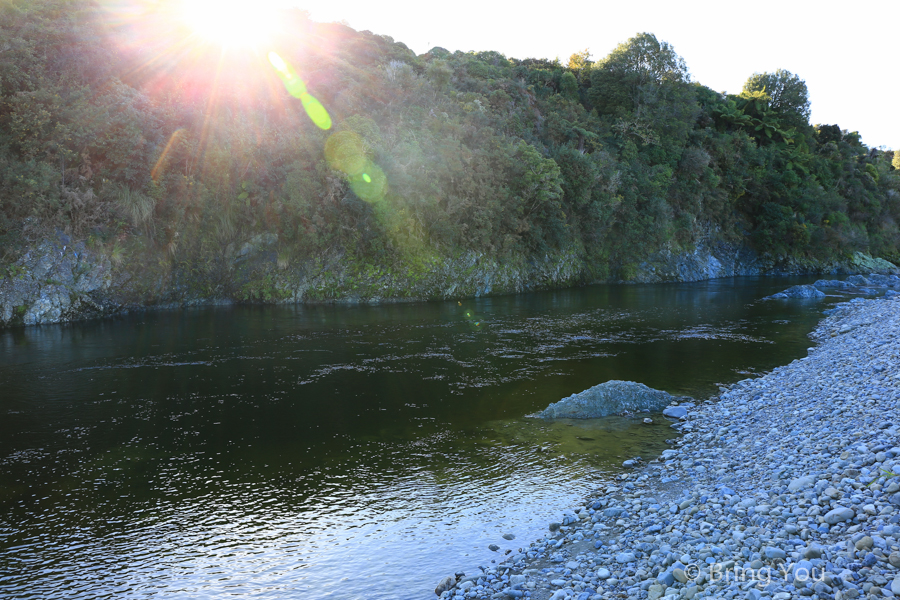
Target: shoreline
781	487
55	282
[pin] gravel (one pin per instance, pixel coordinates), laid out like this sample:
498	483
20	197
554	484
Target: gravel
783	487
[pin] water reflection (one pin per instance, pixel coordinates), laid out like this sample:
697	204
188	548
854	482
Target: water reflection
337	452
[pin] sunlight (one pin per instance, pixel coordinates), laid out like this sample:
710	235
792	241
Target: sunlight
231	23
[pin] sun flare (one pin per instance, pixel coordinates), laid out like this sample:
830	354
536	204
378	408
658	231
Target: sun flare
231	22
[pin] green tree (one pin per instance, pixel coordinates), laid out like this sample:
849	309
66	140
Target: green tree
537	187
580	60
788	95
619	81
568	86
580	63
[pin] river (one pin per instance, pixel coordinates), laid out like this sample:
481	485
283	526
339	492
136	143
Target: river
336	452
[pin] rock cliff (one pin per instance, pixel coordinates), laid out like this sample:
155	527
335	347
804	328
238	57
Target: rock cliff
57	281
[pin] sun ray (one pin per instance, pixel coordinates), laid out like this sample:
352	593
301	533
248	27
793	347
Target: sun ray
162	161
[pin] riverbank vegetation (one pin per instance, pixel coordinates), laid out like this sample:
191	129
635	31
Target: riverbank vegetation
122	127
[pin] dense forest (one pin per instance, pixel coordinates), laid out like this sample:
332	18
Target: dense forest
119	128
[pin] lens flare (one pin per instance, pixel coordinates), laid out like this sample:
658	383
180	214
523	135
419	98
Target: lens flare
472	318
316	111
279	64
345	151
297	88
371	184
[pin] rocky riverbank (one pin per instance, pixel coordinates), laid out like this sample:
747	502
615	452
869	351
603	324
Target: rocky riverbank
59	280
781	487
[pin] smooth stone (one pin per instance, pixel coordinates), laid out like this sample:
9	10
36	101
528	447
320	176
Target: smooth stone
509	536
820	587
773	553
680	575
445	584
655	592
812	551
865	543
603	573
895	586
802	570
625	557
493	547
839	515
832	492
675	412
800	483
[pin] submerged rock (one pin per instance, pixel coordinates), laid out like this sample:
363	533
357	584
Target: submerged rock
834	284
799	291
884	280
610	398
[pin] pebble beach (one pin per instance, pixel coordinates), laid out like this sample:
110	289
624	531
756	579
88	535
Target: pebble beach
782	486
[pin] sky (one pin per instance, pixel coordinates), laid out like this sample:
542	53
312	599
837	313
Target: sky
849	55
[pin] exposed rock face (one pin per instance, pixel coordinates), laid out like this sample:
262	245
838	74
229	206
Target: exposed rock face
706	261
610	398
712	260
863	263
54	282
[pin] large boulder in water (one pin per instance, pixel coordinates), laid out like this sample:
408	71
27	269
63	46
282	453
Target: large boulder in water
799	291
610	398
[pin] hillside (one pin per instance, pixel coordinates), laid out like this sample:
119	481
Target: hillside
343	165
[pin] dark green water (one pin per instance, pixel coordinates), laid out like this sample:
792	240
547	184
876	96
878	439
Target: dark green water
338	452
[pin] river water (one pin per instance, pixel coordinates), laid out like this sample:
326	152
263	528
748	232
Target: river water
339	452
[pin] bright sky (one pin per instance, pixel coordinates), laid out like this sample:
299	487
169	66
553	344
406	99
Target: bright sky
848	56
